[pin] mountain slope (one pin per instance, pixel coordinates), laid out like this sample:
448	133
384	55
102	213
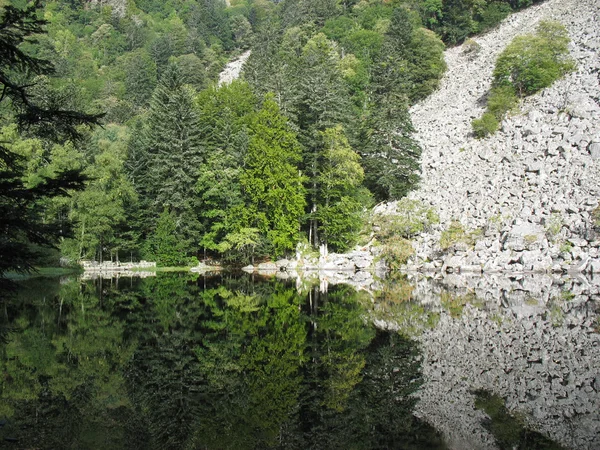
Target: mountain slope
529	190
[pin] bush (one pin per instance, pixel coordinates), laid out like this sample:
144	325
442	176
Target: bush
502	99
396	251
529	64
533	62
486	125
411	218
471	47
456	234
596	218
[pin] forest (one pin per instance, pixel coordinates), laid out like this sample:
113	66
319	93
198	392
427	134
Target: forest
117	142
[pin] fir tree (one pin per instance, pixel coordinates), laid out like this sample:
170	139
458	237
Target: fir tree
174	151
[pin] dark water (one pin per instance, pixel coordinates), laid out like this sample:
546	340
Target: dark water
181	361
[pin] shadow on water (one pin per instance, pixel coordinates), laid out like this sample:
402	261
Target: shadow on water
184	361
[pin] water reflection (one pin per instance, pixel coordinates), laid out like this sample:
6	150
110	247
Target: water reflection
530	340
186	361
180	361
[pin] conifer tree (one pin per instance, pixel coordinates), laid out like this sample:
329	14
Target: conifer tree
321	103
164	245
390	157
174	151
223	118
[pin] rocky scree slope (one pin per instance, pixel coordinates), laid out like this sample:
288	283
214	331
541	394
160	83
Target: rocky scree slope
529	190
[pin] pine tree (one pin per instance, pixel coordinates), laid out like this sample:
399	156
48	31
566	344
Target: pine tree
223	118
21	219
321	103
390	156
165	245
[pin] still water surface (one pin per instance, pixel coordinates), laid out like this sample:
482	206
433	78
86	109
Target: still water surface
181	361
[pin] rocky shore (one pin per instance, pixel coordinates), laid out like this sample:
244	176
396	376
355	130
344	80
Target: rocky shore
525	198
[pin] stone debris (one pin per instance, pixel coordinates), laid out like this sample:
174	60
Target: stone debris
531	189
233	69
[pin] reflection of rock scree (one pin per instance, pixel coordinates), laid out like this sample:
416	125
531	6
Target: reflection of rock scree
529	190
233	69
532	340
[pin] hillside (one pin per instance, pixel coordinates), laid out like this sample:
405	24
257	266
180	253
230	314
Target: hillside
525	196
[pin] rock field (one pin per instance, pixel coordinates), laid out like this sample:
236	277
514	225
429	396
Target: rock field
529	190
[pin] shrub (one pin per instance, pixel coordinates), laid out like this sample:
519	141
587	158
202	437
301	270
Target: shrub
533	62
596	218
396	251
471	48
411	218
456	234
486	125
529	64
501	100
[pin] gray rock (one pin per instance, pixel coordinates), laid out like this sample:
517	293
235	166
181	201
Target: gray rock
594	149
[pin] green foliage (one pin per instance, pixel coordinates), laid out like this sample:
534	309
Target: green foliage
396	250
509	429
393	232
456	234
528	64
455	303
270	181
172	152
411	218
595	217
340	201
485	126
99	211
533	62
24	221
165	245
455	20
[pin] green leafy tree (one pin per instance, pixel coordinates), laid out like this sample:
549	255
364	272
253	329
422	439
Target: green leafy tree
271	182
140	76
533	62
223	114
100	209
21	219
341	202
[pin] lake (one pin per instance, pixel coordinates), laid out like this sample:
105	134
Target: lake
237	361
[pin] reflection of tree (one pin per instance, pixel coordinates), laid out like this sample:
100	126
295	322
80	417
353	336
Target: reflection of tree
177	362
378	412
263	338
62	371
